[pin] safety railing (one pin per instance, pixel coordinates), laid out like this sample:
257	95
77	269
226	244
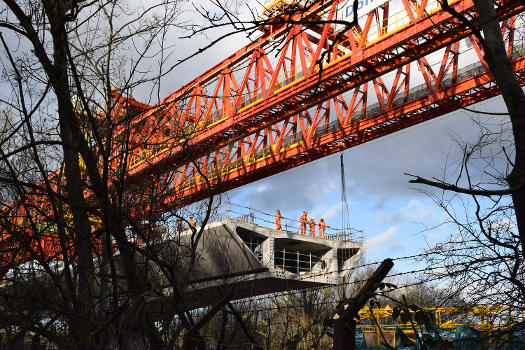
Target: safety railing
288	225
249	218
255	246
238	212
294	261
345	236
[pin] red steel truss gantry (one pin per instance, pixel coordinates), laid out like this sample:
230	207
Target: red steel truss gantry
306	88
252	116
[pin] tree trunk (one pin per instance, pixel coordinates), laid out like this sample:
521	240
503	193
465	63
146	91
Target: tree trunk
69	130
505	77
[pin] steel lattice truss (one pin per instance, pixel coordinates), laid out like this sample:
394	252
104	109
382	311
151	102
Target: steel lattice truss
250	116
258	113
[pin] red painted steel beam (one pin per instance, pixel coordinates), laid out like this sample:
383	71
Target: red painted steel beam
422	36
474	89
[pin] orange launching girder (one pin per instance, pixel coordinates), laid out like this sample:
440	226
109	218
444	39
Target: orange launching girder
252	116
246	92
305	138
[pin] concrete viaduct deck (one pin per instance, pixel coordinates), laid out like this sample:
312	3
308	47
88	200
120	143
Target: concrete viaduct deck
231	256
250	260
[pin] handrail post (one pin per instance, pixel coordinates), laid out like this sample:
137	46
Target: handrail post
284	259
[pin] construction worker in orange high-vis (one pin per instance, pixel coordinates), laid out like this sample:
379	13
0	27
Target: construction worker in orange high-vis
303	219
312	227
191	222
322	227
278	218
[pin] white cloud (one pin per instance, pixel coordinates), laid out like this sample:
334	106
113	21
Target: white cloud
383	216
327	212
414	210
261	188
297	189
374	243
332	211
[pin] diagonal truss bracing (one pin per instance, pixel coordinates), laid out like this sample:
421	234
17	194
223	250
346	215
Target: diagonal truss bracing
248	92
336	124
251	117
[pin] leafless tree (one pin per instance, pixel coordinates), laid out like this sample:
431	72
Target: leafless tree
485	203
482	258
487	30
82	260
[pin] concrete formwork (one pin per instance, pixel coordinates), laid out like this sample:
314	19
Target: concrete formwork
249	260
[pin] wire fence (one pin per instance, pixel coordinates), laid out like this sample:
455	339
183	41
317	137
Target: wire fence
279	318
276	319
